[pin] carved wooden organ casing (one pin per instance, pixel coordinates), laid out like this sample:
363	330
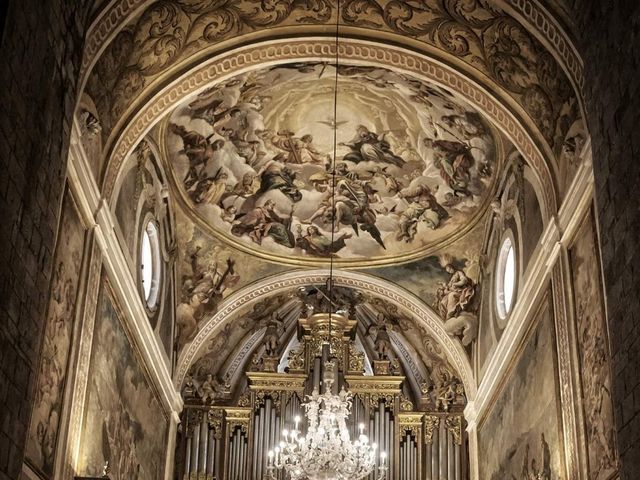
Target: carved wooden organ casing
227	439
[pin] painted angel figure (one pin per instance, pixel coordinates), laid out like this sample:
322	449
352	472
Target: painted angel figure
454	296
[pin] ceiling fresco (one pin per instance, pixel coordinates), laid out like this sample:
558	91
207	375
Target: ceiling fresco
479	34
208	272
251	157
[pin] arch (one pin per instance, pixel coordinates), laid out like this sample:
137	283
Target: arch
400	297
322	49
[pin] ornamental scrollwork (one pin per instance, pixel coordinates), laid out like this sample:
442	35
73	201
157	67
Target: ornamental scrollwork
297	359
454	426
214	418
376	398
262	395
474	31
356	360
413	430
431	423
406	405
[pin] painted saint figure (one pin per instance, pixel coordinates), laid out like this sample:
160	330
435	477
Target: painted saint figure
262	222
454	160
318	244
454	296
297	150
368	146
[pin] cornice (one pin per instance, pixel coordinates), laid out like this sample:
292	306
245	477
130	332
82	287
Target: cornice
95	211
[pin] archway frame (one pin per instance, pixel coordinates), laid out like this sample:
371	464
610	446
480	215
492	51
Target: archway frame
501	110
406	301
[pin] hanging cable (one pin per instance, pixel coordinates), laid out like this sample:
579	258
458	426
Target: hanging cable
333	166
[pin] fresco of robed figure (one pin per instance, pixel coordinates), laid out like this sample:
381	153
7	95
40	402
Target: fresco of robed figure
254	159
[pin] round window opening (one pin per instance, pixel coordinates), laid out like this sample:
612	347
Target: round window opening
506	278
150	264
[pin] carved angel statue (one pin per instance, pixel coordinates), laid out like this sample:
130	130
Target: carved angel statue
272	334
382	343
209	391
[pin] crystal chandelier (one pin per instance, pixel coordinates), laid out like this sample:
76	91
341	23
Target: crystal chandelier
326	452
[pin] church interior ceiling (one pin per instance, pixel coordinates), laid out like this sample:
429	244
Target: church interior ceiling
419	168
479	35
414	164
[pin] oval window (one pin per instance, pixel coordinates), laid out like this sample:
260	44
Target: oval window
150	264
506	278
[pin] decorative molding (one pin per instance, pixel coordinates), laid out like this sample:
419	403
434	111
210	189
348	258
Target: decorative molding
546	28
467	38
566	360
111	20
558	233
123	284
322	49
403	299
531	14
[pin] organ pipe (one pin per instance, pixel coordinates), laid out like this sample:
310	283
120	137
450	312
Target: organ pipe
273	399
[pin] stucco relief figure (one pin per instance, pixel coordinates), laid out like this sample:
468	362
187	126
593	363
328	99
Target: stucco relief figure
455	302
210	390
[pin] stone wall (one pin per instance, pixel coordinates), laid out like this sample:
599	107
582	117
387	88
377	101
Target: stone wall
41	52
611	50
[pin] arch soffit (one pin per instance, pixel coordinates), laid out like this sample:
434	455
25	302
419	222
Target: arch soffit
323	49
117	14
465	40
406	301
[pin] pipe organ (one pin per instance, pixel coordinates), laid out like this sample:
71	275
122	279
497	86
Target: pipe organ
228	439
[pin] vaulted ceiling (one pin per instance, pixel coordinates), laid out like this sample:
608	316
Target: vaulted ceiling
437	104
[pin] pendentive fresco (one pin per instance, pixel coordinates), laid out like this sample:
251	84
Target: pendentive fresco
252	156
521	437
593	350
57	339
208	271
124	422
